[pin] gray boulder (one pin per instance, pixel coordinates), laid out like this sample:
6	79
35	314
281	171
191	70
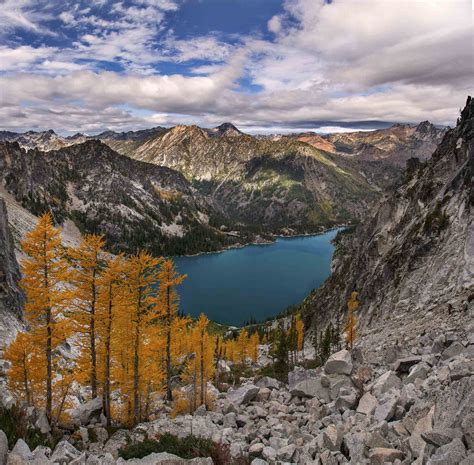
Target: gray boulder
164	458
367	404
332	438
386	410
243	395
22	450
419	371
84	413
267	382
440	438
382	455
403	365
453	350
3	448
449	454
384	383
64	453
339	363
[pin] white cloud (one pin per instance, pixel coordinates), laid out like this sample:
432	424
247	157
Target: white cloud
390	60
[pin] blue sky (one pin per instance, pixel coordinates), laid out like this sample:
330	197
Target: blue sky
266	65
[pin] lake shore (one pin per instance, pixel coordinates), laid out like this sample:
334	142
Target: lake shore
263	241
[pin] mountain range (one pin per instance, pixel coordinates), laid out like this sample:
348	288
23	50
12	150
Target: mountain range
234	187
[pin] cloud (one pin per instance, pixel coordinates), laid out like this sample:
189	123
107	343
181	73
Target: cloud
387	60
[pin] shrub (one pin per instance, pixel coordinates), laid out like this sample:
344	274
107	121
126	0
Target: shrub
188	447
14	423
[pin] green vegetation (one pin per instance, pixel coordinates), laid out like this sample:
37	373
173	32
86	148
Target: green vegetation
188	447
15	424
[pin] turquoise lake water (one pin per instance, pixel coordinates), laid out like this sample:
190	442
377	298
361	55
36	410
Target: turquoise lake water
254	281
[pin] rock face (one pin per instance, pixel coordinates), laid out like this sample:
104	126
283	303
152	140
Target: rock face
415	253
11	297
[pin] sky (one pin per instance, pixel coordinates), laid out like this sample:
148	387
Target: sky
265	65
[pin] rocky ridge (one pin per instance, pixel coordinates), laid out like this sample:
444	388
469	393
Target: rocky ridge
414	254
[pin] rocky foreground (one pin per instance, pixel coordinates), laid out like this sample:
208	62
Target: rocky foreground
419	409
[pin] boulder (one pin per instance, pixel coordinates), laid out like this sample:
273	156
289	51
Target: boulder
42	422
64	453
439	438
118	440
386	410
258	462
269	453
423	425
286	453
403	365
310	387
453	350
164	458
3	448
22	450
263	394
267	382
332	438
243	395
419	371
256	449
449	454
367	404
339	363
384	383
381	455
84	413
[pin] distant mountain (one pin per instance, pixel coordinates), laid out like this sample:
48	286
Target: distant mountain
414	252
276	184
303	182
394	145
133	204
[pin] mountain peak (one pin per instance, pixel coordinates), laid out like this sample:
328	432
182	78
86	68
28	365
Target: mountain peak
226	129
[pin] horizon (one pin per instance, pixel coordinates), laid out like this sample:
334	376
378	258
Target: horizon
272	66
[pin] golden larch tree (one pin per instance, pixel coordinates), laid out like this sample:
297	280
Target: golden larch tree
26	375
141	279
87	261
167	301
44	271
351	323
110	302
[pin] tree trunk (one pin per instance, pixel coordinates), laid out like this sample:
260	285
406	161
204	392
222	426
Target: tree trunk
203	393
92	339
107	361
49	348
169	393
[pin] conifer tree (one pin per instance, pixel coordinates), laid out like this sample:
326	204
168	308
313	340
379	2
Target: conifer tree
141	277
281	351
110	303
325	346
87	261
351	324
25	375
254	342
168	300
44	271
